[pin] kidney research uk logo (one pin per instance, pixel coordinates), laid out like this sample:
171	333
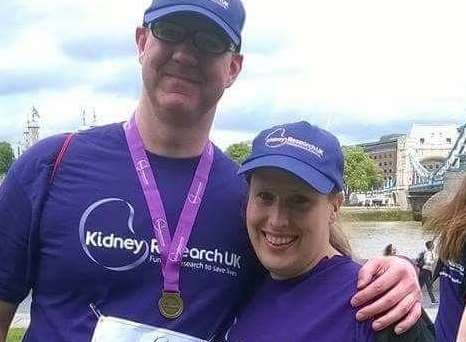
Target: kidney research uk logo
115	245
224	3
92	239
279	138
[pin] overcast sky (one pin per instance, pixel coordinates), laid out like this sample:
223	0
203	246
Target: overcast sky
360	68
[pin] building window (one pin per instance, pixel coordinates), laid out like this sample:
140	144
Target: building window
448	140
422	140
380	164
390	170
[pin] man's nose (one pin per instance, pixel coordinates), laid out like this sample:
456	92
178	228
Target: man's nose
186	53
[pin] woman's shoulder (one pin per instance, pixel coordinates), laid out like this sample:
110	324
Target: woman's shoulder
343	266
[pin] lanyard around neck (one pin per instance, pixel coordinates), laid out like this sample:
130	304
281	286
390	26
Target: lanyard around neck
171	251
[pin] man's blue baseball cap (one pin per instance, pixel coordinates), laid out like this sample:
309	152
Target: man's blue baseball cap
229	15
307	151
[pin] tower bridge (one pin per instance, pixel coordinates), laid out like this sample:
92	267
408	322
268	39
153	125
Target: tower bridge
423	160
427	184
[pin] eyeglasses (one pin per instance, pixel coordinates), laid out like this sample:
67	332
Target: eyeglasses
205	41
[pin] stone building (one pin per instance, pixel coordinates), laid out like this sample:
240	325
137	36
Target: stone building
384	153
424	150
406	159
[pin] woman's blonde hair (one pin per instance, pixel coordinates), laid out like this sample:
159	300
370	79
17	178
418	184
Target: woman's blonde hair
338	238
448	221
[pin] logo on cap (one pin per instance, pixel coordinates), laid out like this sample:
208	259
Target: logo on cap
277	139
224	3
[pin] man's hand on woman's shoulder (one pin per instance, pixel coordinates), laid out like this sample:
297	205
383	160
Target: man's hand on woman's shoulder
388	292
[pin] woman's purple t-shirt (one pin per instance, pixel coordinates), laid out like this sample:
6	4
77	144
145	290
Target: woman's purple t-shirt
312	307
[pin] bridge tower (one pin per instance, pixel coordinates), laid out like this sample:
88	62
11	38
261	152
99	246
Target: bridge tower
31	130
442	184
87	123
422	153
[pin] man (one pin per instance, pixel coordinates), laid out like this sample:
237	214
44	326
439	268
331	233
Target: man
100	236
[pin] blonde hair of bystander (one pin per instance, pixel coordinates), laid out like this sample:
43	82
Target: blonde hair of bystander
448	221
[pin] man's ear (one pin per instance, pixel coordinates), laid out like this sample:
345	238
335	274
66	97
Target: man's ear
236	65
336	200
141	39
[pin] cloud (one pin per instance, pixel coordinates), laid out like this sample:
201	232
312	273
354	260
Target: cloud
96	49
15	18
360	68
28	81
120	79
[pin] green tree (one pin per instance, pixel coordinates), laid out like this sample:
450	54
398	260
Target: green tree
361	172
6	157
239	152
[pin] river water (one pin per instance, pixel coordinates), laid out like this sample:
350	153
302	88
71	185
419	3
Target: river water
368	239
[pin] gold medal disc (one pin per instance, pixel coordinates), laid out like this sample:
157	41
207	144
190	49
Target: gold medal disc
171	305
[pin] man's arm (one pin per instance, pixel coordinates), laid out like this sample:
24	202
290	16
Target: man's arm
7	312
388	292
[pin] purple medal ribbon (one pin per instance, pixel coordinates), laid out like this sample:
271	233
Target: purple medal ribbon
171	251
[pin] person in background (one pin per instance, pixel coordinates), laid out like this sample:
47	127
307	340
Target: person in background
389	250
426	267
295	175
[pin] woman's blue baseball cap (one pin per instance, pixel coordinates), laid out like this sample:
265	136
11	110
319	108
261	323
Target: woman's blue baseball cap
229	15
307	151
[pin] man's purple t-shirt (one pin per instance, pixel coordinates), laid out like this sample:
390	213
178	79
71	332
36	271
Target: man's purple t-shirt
312	307
88	238
451	302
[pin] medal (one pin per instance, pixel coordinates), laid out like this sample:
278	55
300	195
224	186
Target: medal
171	305
171	249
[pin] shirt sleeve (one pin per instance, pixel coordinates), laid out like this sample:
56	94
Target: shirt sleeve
364	332
15	223
22	195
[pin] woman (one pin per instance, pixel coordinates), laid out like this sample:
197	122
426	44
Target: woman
449	222
295	172
427	261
